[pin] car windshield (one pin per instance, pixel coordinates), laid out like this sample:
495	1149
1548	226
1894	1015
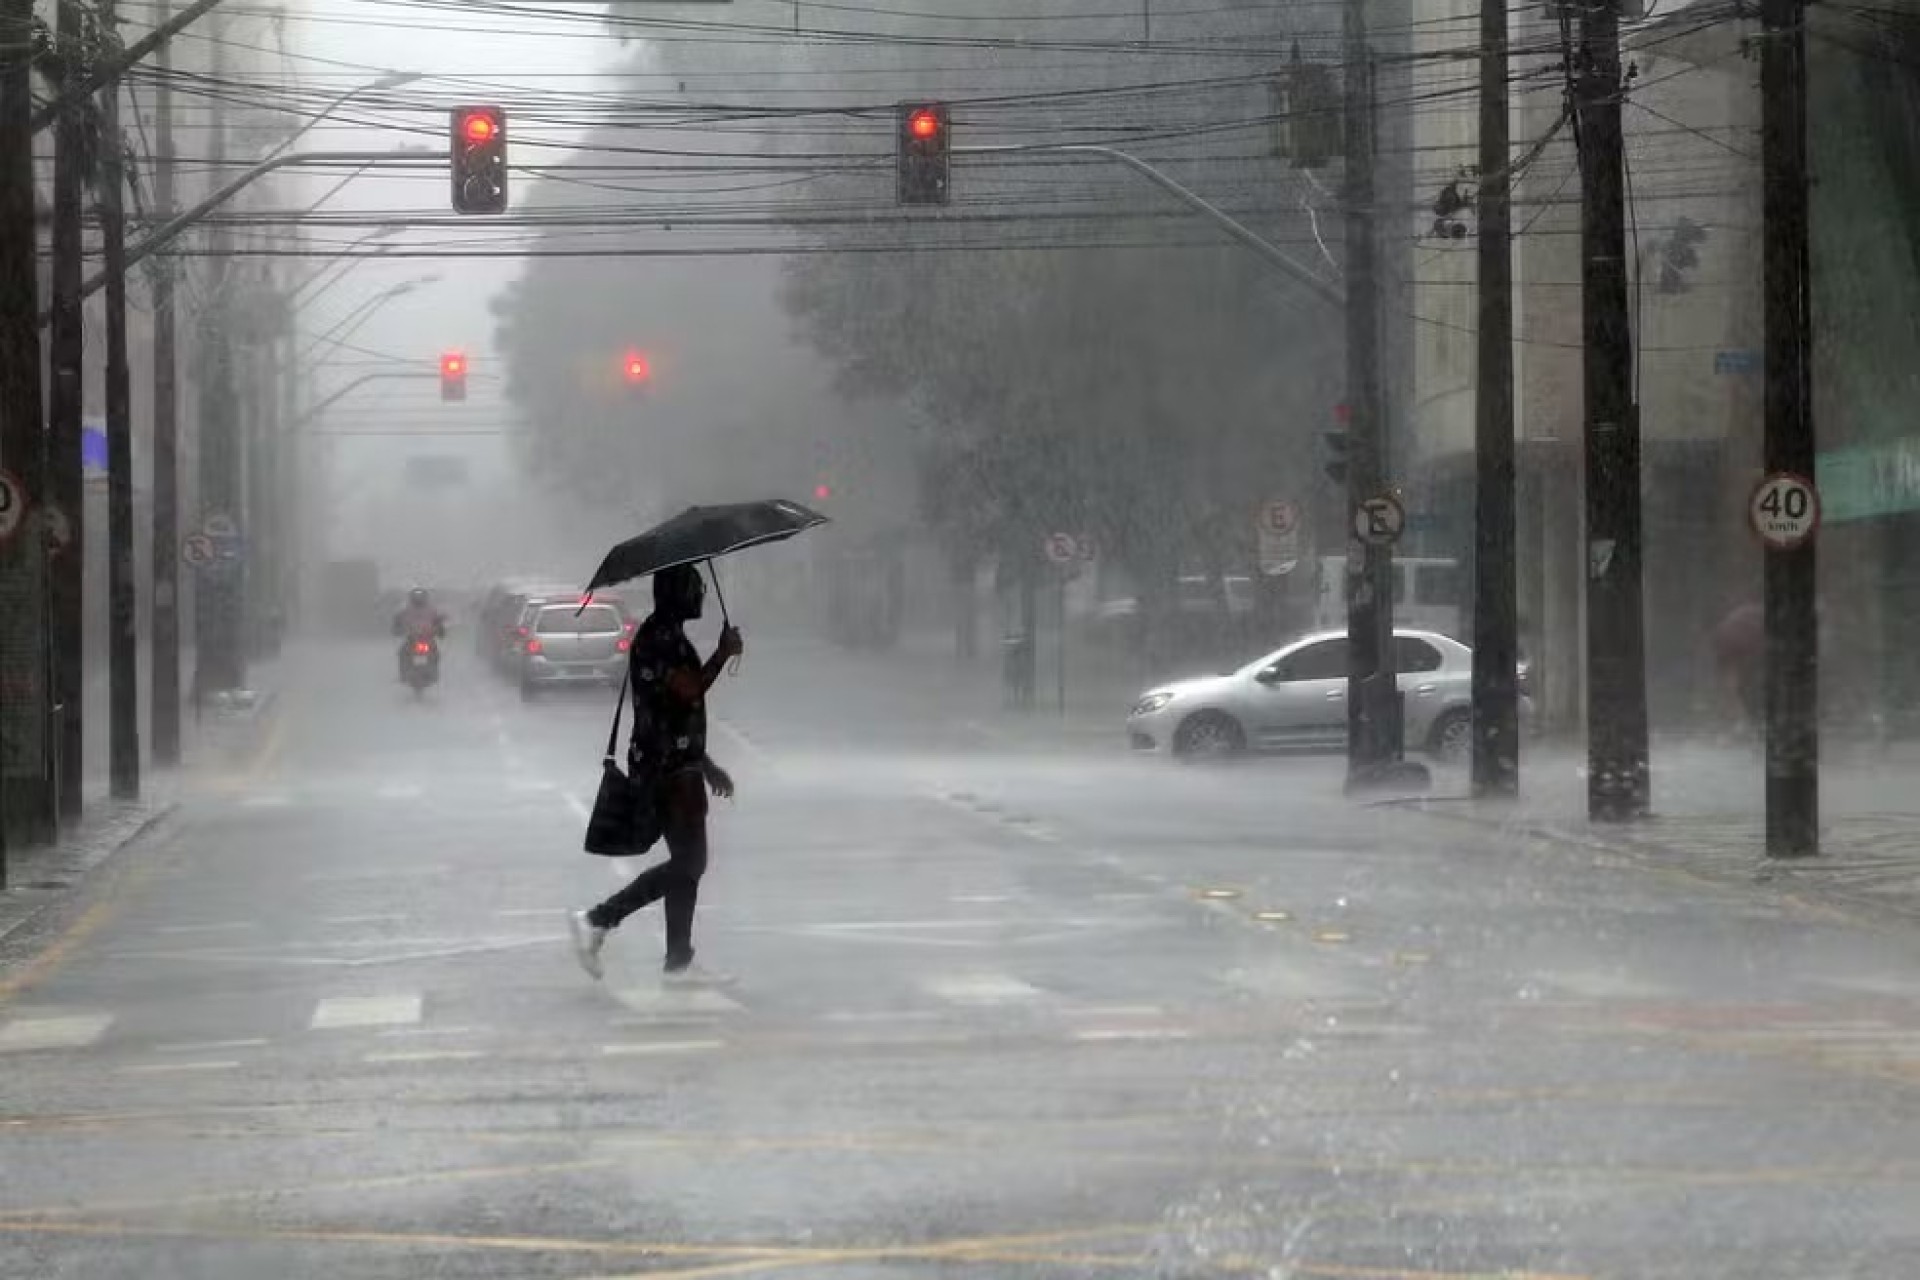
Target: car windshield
1163	639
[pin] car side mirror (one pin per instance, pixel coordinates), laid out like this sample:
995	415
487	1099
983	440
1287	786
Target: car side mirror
1272	675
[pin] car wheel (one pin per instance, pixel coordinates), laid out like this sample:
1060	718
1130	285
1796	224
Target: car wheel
1451	738
1209	735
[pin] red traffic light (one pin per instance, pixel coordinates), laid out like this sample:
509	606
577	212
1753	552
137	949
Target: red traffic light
822	491
637	368
923	124
479	126
453	364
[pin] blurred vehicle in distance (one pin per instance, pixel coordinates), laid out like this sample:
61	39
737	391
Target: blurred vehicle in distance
568	644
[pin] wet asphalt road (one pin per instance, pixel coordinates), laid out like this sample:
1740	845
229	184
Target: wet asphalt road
1006	1008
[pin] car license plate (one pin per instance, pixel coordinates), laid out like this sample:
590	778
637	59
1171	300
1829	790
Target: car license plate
420	659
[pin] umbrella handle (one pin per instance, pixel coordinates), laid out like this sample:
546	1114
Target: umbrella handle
733	668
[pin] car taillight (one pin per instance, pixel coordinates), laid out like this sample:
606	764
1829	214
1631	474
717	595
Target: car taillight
623	644
522	632
534	645
421	646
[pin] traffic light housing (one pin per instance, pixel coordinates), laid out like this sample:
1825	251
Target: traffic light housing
453	376
477	149
921	140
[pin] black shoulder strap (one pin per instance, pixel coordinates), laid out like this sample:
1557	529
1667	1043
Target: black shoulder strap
613	734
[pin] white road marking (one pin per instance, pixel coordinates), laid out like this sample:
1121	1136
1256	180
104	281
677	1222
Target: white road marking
224	926
882	1015
377	917
982	899
543	913
1117	1011
982	989
420	1032
336	1012
424	1055
650	1048
659	1000
68	1031
158	1068
1102	1035
209	1046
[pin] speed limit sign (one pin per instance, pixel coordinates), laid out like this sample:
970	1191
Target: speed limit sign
1784	510
13	506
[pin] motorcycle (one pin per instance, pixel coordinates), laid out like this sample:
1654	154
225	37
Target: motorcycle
420	665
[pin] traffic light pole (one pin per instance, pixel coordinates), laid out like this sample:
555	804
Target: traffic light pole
66	487
123	615
164	626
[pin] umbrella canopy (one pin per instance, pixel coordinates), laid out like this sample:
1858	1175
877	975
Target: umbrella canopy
703	533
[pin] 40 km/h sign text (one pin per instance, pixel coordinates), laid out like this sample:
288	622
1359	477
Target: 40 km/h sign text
1784	510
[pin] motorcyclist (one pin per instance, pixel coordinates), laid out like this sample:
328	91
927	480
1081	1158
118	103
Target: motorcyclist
419	621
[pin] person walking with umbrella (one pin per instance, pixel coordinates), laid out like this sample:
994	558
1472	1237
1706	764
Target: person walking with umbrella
668	765
668	755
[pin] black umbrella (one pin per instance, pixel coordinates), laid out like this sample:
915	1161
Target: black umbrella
703	533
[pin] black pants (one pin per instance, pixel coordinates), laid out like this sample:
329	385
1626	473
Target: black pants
683	812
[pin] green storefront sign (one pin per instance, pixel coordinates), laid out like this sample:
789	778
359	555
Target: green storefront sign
1869	480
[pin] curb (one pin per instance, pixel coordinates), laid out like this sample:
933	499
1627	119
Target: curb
74	877
1641	856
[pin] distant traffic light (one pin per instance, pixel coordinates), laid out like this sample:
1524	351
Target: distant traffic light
478	154
822	491
453	376
921	146
1335	441
637	370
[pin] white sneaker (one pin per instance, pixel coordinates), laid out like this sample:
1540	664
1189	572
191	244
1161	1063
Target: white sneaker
587	941
695	976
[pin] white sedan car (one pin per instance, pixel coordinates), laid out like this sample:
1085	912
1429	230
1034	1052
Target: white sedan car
1295	699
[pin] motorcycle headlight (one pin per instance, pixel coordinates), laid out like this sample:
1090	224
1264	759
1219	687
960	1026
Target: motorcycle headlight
1151	703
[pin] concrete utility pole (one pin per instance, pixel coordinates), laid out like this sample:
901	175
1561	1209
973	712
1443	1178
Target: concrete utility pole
1618	777
26	783
1791	586
220	656
1374	728
123	635
65	408
1496	722
165	623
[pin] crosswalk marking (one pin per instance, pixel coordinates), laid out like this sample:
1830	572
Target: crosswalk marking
66	1031
210	1046
653	1047
337	1012
164	1068
982	989
397	1056
1098	1035
657	1001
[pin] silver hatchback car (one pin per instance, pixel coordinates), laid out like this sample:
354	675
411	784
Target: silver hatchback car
1295	698
568	644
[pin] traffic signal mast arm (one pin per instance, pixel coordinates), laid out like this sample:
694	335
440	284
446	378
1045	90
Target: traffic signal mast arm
170	231
355	385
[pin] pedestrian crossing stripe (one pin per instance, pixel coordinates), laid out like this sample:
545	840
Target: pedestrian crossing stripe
339	1012
65	1031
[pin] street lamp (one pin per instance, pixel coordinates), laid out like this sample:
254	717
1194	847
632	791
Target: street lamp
361	314
391	80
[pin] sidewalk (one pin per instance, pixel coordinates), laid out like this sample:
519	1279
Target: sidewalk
1709	819
40	876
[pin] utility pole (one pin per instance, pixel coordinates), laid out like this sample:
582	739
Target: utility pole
1496	723
1618	778
65	407
26	798
123	602
165	623
1791	583
219	643
1373	694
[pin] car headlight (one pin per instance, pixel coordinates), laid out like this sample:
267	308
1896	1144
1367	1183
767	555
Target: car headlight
1151	703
